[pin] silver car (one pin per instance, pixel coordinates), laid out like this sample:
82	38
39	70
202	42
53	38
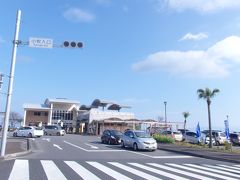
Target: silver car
54	130
191	137
138	140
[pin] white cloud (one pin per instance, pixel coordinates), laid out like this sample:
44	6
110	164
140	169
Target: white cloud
202	6
194	37
215	62
78	15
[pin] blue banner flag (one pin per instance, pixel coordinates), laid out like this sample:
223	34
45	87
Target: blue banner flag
198	131
226	123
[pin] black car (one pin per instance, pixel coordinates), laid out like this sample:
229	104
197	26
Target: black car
111	137
235	138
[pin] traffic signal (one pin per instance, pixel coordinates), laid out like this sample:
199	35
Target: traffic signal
72	44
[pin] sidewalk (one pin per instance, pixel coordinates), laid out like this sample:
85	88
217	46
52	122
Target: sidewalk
16	147
203	153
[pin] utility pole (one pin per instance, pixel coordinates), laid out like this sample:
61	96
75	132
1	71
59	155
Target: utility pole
165	103
10	85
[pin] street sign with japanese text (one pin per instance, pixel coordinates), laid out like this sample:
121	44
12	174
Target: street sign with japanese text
40	42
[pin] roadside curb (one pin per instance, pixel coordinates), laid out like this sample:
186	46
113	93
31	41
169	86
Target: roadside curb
14	155
200	155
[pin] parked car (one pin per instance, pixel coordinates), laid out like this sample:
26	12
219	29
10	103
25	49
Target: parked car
218	136
176	135
28	131
182	131
138	140
191	137
111	136
207	139
235	138
54	130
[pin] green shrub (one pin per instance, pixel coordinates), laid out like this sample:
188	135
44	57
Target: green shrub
228	146
163	139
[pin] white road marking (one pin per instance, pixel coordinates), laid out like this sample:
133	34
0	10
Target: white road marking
169	175
108	171
94	147
223	168
20	170
213	170
57	146
201	171
180	171
237	165
81	171
52	170
134	171
232	167
162	157
103	150
46	139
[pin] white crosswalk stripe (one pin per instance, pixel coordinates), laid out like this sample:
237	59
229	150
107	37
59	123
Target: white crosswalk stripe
213	170
231	167
81	171
134	171
122	171
109	171
20	170
169	175
223	168
201	171
180	171
52	170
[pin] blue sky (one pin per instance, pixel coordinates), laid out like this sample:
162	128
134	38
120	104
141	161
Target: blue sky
136	52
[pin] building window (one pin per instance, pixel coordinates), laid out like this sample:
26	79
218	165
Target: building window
62	115
37	113
44	113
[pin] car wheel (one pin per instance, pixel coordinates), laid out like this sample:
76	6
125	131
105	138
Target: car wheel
217	143
14	134
135	147
58	134
30	135
122	144
109	141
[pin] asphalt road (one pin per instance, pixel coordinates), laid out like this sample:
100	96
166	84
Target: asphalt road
85	157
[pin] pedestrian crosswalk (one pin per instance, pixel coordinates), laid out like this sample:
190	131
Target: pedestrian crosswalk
93	170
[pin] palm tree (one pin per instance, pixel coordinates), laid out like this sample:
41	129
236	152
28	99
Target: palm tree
185	115
208	94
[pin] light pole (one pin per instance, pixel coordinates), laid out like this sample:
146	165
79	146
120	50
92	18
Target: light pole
165	104
10	85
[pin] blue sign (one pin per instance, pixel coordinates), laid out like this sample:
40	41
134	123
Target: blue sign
226	129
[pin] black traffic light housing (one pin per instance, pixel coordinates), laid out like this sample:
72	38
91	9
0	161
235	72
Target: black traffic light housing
72	44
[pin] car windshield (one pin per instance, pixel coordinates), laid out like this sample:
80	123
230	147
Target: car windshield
115	132
176	132
222	134
141	134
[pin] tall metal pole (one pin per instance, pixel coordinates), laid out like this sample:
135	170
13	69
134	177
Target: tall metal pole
10	84
165	103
